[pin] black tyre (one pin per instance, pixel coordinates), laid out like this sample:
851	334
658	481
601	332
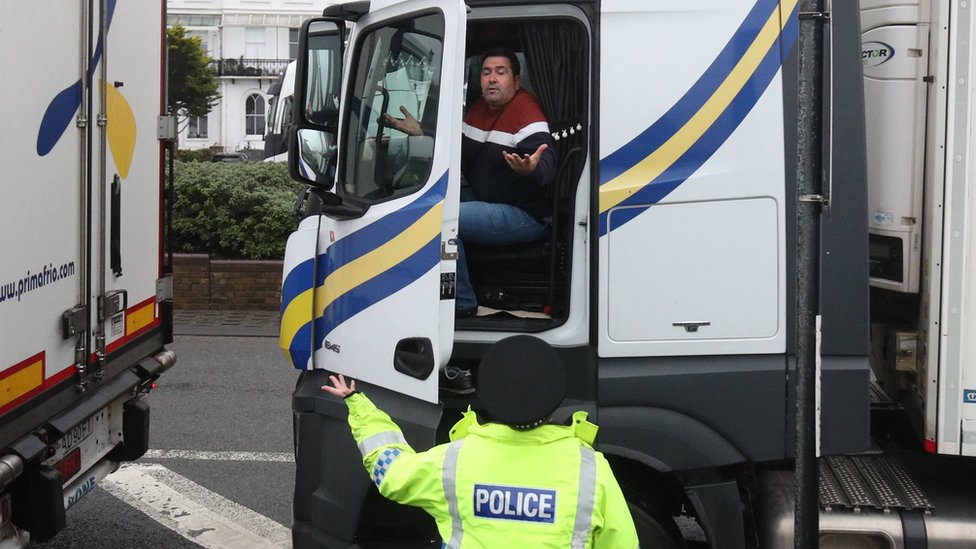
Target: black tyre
654	528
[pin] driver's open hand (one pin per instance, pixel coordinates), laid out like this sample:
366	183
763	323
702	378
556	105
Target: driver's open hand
526	163
408	124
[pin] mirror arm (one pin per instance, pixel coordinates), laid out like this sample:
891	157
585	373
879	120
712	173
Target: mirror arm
301	199
336	207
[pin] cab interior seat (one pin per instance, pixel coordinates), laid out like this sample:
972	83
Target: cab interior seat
535	276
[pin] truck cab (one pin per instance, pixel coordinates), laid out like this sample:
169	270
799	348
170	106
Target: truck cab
664	279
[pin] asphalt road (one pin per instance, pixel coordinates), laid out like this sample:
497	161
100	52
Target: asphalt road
221	426
220	436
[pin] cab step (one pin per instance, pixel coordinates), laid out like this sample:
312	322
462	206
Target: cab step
897	500
877	482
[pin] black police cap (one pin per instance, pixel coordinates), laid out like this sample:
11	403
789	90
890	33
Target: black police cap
521	381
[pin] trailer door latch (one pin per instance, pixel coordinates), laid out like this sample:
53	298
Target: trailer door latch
73	321
691	326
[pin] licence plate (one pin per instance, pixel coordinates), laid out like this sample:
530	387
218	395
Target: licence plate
81	447
77	435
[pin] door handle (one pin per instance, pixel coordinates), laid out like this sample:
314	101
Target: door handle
414	356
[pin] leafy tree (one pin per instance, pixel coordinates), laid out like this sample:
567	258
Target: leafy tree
192	79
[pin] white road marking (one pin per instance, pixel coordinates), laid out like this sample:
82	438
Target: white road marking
192	511
219	456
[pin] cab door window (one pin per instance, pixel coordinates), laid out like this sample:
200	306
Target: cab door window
397	65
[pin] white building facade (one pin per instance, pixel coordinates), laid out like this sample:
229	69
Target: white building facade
251	43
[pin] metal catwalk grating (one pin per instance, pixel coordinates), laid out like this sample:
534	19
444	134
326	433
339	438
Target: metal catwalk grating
869	481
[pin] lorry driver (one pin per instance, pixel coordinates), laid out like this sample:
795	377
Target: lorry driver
506	163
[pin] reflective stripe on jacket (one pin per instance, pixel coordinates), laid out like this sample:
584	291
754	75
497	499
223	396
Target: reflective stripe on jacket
492	485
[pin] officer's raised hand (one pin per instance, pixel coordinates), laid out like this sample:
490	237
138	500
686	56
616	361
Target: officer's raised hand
339	387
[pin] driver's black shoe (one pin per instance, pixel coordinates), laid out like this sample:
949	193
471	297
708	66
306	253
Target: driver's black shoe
456	380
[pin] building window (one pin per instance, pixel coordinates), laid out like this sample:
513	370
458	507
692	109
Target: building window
197	127
254	114
204	37
254	40
293	43
186	20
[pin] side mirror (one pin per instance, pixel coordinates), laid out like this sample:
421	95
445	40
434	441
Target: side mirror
316	107
312	156
319	77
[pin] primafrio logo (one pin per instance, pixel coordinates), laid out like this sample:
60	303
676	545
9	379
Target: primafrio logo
875	53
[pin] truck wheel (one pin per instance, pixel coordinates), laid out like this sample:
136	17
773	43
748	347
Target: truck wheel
651	532
654	528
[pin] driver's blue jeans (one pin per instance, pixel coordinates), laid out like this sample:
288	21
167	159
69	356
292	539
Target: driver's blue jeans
489	224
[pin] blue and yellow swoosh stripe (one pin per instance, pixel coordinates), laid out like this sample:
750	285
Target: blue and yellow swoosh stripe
60	112
703	119
359	270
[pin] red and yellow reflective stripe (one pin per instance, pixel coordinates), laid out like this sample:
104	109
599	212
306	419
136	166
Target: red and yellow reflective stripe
140	316
28	378
21	379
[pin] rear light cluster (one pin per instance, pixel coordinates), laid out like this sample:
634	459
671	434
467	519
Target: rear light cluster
69	465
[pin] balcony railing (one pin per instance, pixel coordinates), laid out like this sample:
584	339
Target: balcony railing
243	67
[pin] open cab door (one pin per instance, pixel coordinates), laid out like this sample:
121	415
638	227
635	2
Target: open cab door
368	287
369	283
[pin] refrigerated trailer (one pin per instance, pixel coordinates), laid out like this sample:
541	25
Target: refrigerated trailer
84	307
667	278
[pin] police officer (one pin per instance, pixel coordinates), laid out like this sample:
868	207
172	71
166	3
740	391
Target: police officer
518	479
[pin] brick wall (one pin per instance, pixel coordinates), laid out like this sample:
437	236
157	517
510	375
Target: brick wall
202	283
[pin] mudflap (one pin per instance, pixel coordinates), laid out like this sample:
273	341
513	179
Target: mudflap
135	430
44	513
335	503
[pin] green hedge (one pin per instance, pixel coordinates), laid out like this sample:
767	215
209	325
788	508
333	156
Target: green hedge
233	210
194	155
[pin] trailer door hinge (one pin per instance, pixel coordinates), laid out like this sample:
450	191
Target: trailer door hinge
164	288
166	128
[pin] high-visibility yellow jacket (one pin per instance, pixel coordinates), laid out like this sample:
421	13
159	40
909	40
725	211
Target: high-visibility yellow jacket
493	486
